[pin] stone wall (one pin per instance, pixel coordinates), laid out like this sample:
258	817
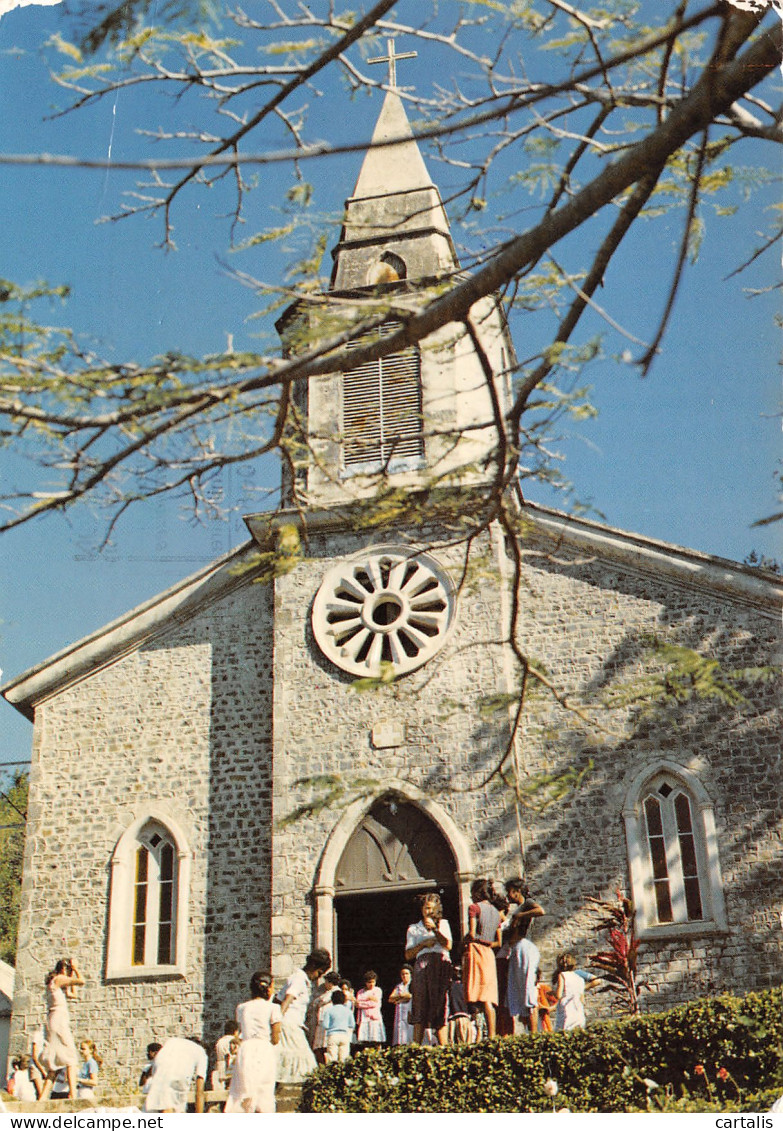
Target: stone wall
581	618
195	720
181	723
586	618
322	725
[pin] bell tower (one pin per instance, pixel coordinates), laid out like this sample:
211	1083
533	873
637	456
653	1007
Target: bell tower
419	417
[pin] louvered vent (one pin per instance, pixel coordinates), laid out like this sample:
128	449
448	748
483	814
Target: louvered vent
382	406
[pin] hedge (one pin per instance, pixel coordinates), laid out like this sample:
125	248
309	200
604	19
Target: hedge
721	1051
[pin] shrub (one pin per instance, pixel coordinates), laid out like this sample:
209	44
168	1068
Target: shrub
611	1066
618	964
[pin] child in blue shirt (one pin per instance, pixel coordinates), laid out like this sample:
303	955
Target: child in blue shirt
338	1024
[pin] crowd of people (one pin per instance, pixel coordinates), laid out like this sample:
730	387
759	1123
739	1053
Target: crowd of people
444	995
497	980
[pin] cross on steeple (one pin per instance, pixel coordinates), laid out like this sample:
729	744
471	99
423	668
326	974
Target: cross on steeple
391	59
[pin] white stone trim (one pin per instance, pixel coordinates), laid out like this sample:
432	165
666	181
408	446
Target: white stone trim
704	572
324	887
118	948
352	594
7	978
706	844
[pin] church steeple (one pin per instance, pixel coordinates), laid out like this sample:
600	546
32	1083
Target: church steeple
423	415
394	210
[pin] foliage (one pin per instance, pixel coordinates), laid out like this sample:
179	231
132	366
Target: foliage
329	791
670	677
761	561
109	22
619	964
539	791
613	1066
615	120
284	557
610	130
22	336
675	674
13	807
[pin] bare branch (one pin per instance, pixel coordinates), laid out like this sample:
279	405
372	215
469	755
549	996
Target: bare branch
647	358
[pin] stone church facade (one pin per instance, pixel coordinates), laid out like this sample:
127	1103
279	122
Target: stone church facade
210	794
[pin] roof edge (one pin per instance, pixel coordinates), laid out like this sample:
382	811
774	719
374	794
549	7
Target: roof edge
134	627
651	555
741	583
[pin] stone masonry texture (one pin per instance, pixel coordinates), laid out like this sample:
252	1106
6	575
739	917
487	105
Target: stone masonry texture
182	723
224	720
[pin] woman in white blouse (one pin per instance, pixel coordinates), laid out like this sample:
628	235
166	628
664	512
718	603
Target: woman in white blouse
255	1069
427	945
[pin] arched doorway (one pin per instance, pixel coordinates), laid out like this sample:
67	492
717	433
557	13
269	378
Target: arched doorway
396	853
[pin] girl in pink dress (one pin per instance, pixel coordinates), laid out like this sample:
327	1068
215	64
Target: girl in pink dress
59	1050
371	1029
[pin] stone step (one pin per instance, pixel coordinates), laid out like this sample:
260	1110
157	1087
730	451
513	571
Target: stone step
43	1107
287	1097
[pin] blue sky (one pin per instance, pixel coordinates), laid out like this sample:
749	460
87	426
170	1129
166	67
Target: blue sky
685	455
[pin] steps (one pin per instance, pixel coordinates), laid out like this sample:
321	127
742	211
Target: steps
44	1107
287	1097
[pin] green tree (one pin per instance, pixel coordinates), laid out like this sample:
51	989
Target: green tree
566	126
13	807
613	120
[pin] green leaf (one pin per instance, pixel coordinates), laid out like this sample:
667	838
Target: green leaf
64	47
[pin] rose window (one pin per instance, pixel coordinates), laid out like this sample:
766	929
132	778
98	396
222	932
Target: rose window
387	606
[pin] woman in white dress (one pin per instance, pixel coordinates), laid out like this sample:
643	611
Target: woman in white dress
400	998
59	1050
569	991
255	1068
296	1056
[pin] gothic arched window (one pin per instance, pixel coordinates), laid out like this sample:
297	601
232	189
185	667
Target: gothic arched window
154	899
672	854
148	902
382	408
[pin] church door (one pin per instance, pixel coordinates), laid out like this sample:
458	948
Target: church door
396	854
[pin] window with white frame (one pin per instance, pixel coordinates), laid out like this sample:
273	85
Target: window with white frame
154	900
672	852
382	408
148	901
671	847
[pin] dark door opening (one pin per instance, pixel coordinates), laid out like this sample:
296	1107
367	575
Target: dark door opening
396	853
370	929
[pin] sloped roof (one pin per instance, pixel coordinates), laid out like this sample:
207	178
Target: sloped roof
737	583
395	207
129	631
392	168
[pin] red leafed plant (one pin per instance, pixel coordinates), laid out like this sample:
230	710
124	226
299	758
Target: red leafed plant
617	966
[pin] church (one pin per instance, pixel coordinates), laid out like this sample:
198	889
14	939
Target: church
286	748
